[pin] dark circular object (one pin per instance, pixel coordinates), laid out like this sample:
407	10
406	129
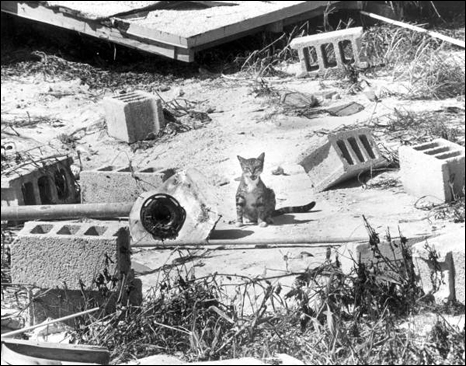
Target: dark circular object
162	216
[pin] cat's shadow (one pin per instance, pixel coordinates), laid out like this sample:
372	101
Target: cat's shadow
288	220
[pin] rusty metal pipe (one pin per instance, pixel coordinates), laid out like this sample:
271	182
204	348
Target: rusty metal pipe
70	211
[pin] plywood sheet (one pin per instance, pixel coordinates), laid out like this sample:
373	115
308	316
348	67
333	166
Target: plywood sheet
100	9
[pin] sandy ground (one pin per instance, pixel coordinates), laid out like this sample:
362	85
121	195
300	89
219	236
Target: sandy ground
246	125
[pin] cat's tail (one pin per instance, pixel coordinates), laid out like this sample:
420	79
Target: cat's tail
294	209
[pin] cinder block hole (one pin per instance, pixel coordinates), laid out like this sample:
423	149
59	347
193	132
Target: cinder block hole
137	98
126	96
448	155
107	168
328	52
149	170
68	230
356	149
437	150
27	189
365	142
310	59
132	98
346	51
41	229
61	183
167	173
96	230
125	170
45	190
426	146
346	155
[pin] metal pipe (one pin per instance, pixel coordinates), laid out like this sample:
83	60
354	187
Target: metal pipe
62	212
273	241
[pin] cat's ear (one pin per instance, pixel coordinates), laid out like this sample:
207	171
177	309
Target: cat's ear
241	160
261	157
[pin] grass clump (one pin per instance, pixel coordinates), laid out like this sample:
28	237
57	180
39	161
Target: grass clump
422	61
328	316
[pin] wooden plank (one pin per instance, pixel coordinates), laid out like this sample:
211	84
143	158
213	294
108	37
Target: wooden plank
56	351
143	32
255	22
315	12
95	29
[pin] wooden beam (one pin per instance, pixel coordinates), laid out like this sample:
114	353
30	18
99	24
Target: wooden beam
255	22
437	35
316	12
15	349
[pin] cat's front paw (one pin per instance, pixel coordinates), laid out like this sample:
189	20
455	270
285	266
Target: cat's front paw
239	224
263	224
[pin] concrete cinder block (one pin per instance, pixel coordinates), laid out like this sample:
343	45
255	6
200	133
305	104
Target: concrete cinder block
69	255
133	116
320	52
350	254
340	156
117	184
445	282
58	303
434	169
51	183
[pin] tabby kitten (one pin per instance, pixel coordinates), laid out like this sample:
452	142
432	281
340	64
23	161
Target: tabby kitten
254	201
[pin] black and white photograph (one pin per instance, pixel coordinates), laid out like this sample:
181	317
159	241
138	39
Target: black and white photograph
233	182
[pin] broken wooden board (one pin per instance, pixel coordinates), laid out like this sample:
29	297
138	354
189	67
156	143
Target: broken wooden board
174	33
346	109
20	352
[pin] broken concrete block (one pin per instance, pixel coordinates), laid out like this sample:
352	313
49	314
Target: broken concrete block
50	183
299	100
114	184
57	303
349	255
320	52
193	193
133	116
433	169
340	156
446	280
68	255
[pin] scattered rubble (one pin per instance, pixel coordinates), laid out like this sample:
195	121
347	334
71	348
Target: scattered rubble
150	191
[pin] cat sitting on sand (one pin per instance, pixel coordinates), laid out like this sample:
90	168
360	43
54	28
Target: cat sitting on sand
254	201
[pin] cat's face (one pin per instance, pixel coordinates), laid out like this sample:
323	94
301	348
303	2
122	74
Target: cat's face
252	168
